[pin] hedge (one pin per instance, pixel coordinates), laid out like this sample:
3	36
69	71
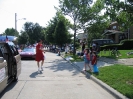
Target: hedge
123	45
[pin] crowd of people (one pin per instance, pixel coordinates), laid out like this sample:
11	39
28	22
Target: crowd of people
90	55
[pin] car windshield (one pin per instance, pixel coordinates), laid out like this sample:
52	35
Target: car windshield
29	50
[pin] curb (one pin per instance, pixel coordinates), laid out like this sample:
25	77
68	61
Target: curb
112	91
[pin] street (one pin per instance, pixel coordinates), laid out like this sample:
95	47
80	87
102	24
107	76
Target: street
59	80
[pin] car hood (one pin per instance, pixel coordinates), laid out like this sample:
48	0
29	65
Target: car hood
27	53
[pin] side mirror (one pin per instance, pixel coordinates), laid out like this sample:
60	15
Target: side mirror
1	59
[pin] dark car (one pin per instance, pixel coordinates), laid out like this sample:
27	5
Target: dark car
102	42
10	64
28	53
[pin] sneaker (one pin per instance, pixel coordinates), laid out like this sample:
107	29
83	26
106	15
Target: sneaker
41	68
38	71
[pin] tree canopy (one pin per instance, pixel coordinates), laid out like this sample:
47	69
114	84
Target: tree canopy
11	32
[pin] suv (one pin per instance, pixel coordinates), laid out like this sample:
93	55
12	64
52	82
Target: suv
102	42
10	64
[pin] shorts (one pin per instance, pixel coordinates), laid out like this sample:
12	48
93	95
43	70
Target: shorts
87	62
39	57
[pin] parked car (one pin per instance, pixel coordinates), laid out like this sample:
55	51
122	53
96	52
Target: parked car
10	64
28	53
102	42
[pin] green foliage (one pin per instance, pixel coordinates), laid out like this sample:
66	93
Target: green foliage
34	32
72	9
57	30
60	33
50	29
23	38
11	32
123	45
120	77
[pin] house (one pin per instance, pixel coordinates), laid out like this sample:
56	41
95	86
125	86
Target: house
82	37
114	33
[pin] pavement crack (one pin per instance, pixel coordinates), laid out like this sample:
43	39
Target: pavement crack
21	89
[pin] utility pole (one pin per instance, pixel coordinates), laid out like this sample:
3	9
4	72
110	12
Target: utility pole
16	21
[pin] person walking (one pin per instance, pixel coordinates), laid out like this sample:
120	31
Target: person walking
39	55
86	57
83	46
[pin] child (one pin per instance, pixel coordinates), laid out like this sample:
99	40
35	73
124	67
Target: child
94	62
86	57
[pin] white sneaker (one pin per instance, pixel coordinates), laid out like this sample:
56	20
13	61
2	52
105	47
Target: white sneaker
41	68
38	71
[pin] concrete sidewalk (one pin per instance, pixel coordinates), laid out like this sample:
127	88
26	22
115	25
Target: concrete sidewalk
128	61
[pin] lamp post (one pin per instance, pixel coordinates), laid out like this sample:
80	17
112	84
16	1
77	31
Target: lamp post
17	20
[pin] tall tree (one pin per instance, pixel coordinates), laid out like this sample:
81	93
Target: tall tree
61	33
23	38
112	8
34	31
72	9
11	32
50	29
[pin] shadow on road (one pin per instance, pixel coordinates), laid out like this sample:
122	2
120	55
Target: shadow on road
8	88
34	74
61	65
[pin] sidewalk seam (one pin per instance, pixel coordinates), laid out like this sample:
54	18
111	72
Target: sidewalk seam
112	91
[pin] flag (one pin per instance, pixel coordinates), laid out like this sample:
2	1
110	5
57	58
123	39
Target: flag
6	38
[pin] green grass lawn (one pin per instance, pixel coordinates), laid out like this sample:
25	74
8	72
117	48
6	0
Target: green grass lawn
119	77
123	54
75	57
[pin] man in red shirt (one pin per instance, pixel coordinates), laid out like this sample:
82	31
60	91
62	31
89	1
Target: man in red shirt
39	55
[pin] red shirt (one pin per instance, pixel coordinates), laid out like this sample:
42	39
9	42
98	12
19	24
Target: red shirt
38	48
94	60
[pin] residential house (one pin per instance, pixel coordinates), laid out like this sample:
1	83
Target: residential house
114	33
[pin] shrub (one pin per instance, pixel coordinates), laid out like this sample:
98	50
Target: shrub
123	45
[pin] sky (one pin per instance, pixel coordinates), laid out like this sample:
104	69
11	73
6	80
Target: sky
40	11
36	11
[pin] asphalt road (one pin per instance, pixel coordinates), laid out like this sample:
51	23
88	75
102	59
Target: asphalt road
59	80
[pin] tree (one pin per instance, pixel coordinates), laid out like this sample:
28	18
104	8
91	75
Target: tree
61	33
93	22
50	32
34	32
11	32
50	29
23	38
112	8
72	9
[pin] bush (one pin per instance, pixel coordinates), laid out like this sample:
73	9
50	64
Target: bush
77	45
123	45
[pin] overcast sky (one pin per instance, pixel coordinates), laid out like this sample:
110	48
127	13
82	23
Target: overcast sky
40	11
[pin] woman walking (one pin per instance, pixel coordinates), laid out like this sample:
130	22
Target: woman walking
39	55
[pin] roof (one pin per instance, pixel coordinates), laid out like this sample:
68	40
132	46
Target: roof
109	32
100	39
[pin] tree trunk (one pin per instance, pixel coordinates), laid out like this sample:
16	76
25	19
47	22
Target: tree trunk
74	51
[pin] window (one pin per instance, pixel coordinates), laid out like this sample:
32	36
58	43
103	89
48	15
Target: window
114	27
